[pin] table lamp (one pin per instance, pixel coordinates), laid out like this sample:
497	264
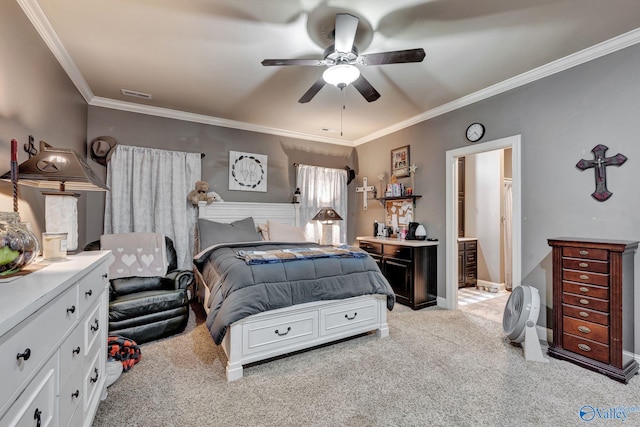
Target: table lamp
60	170
326	216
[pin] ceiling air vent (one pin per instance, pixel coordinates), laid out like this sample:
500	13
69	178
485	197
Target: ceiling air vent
135	93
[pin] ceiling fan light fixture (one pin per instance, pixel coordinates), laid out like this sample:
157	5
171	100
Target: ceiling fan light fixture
341	75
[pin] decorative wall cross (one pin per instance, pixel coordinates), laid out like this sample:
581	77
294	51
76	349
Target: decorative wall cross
599	163
365	189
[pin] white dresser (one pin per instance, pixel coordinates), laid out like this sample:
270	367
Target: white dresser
53	339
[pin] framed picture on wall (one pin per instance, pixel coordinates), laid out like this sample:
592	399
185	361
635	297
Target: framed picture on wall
247	171
400	162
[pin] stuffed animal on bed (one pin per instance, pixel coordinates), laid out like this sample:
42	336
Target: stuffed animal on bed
199	194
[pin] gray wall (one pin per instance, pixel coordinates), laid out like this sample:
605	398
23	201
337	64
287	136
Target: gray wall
215	142
561	118
36	98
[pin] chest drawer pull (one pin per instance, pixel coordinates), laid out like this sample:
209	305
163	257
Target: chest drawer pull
24	356
584	347
584	277
95	378
71	309
583	265
284	333
75	394
95	326
584	301
76	350
584	314
584	329
88	293
583	252
38	417
583	289
346	316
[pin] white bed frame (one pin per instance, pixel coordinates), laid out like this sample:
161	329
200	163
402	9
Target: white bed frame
277	332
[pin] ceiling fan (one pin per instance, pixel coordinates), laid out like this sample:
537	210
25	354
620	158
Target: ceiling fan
342	57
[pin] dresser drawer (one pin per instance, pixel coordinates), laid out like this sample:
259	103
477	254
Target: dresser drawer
586	314
371	247
586	302
280	332
470	246
586	290
586	277
586	253
93	378
37	401
589	330
587	348
470	258
71	355
348	316
586	265
35	339
399	252
91	286
71	394
92	326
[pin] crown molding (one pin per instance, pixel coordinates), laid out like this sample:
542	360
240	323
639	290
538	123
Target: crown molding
39	20
98	101
609	46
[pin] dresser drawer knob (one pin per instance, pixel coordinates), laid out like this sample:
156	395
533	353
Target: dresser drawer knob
584	301
583	252
584	329
71	309
283	333
583	289
88	293
24	356
105	275
584	277
95	326
346	316
75	394
584	314
583	265
94	378
584	347
76	350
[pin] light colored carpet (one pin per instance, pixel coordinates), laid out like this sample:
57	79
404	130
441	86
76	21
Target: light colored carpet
437	368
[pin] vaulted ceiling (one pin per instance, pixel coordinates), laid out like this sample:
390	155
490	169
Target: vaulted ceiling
200	60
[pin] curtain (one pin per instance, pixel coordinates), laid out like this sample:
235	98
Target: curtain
322	187
508	212
149	190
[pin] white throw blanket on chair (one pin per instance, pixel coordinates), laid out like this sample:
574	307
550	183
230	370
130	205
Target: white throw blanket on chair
136	254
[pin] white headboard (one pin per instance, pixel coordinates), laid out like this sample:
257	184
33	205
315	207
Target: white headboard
285	213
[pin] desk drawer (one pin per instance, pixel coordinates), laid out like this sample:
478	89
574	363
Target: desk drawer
34	339
587	348
348	316
586	290
371	247
399	252
588	330
279	332
586	302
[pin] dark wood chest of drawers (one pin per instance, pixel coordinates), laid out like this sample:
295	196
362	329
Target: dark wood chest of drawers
409	266
593	305
467	263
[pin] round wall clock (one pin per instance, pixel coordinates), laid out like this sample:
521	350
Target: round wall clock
475	132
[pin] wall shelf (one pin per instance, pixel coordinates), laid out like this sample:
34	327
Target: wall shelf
411	197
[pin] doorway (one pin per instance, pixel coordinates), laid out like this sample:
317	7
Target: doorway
452	156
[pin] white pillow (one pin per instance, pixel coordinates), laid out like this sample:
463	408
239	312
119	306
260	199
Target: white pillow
279	232
263	229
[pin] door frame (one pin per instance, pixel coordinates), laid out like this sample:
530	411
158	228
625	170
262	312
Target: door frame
513	142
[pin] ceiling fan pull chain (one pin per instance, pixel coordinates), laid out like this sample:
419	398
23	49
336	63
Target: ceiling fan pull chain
342	109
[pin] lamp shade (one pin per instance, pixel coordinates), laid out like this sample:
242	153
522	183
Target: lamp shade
341	75
327	214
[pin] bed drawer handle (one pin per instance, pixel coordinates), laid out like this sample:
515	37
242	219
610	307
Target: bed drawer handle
584	329
284	333
24	356
346	316
584	301
584	314
583	289
583	265
584	347
583	252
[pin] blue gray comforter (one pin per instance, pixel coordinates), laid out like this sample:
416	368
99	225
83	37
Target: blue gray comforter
239	290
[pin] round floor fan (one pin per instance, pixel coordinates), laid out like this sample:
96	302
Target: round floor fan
519	321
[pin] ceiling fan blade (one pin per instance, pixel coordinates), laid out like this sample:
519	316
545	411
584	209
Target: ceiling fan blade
345	33
365	89
395	57
306	62
308	95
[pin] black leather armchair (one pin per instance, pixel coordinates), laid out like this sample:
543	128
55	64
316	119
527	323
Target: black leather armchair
148	308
